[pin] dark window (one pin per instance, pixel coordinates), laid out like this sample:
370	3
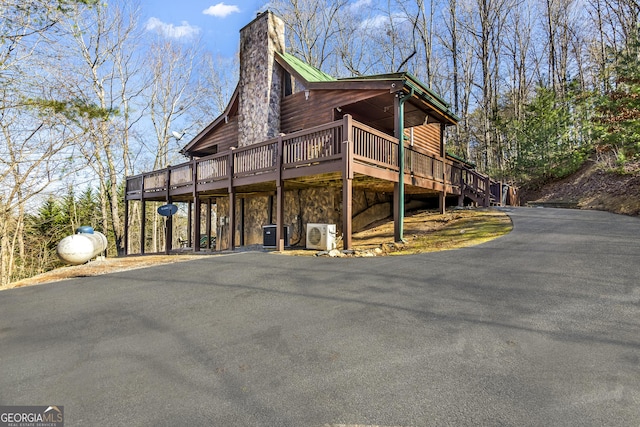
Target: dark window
288	87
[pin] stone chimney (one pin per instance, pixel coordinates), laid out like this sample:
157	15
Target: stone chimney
259	89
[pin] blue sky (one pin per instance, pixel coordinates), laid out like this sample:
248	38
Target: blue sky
216	23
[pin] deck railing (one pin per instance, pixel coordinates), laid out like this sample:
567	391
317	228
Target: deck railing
374	147
213	168
255	159
321	144
313	145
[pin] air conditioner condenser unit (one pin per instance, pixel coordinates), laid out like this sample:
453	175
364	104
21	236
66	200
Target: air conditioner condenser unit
321	236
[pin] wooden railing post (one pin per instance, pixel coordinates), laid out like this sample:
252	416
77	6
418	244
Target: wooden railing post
487	191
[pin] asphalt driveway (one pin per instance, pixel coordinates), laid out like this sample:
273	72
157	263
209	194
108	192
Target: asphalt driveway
540	327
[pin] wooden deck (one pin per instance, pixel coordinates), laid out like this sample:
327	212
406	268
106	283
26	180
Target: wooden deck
324	154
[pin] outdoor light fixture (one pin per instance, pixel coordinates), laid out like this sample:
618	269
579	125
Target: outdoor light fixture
306	94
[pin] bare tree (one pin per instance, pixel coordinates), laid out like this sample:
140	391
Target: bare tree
312	27
102	54
35	141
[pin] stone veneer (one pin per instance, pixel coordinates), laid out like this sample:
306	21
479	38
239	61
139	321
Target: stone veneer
260	85
303	206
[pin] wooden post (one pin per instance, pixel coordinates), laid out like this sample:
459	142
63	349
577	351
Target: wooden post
143	222
126	223
197	207
242	200
169	221
232	203
190	224
208	226
443	153
143	217
487	192
347	183
279	198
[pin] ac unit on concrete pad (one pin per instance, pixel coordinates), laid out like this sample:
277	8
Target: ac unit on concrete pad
269	236
321	236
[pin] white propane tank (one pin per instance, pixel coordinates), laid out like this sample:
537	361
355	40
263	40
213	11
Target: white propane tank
80	248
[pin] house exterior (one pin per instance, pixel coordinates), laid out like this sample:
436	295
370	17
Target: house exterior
296	146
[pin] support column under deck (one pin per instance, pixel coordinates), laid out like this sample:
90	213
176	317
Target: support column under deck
208	225
126	225
347	185
279	199
143	222
190	224
197	218
232	219
279	217
347	212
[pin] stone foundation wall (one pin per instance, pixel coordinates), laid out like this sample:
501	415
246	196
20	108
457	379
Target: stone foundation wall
312	205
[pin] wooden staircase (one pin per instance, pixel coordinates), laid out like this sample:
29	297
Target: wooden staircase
480	189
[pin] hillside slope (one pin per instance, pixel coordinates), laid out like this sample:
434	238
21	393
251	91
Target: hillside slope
593	187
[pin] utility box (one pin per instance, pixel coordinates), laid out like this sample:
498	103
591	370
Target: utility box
269	236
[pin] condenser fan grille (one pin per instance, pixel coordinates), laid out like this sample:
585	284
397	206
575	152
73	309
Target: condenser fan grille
315	236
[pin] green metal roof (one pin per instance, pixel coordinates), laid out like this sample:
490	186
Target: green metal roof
411	82
309	73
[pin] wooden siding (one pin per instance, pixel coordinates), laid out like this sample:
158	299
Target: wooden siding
298	113
426	137
224	136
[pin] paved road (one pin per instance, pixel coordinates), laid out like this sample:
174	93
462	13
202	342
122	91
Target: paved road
540	327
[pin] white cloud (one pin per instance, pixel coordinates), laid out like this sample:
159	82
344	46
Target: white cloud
360	4
382	21
182	31
221	10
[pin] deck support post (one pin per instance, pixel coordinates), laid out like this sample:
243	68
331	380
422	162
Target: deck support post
279	198
169	221
231	223
443	153
347	184
143	222
208	225
442	199
242	201
169	233
197	219
190	224
398	191
487	192
126	224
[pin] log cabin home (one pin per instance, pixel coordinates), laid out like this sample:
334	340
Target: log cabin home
296	146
